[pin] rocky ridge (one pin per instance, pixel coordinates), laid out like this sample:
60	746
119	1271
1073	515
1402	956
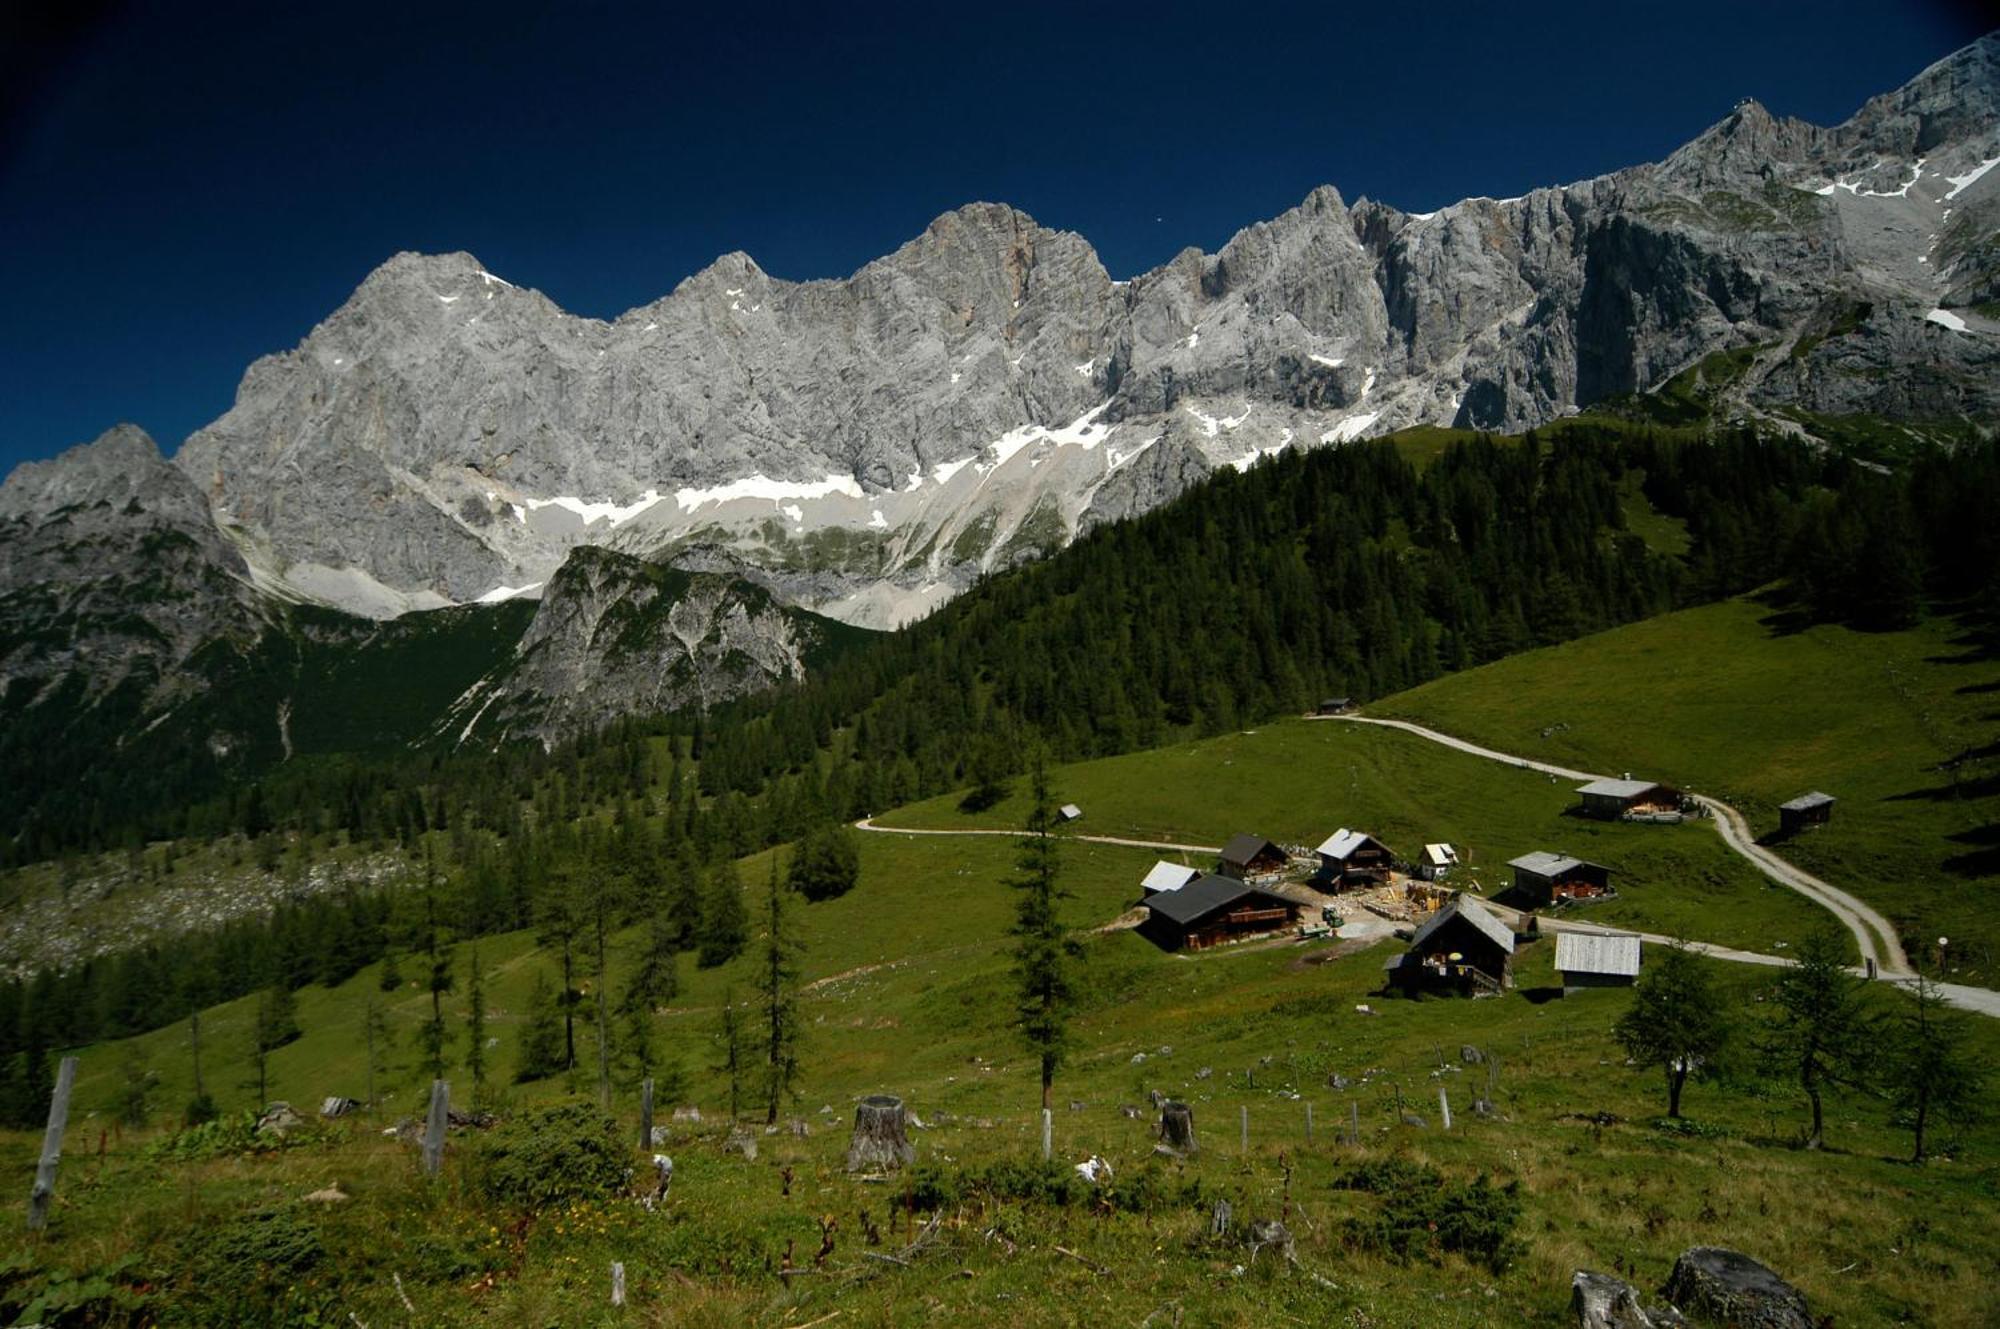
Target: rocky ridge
871	445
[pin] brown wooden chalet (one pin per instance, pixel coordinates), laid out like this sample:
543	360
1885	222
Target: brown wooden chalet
1544	878
1350	859
1461	950
1247	856
1613	799
1814	809
1212	909
1335	706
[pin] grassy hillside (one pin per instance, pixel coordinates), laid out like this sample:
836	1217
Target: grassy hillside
1899	726
1298	781
909	992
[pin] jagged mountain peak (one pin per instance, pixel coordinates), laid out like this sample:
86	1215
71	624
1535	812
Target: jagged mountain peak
121	464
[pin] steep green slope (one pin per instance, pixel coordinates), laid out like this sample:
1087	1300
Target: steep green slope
1899	726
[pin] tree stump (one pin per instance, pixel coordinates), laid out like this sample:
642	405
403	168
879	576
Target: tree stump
879	1143
1177	1127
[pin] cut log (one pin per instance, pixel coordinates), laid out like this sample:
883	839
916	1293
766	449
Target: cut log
880	1143
1177	1127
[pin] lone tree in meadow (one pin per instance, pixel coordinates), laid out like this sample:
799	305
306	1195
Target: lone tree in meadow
778	983
655	980
1820	1032
826	864
1675	1022
1932	1074
1043	952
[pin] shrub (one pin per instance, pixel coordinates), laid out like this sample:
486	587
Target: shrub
570	1151
246	1271
1424	1214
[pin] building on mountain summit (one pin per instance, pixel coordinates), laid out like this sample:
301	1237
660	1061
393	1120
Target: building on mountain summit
1351	859
1212	909
1461	950
1814	809
1249	856
1611	800
1543	878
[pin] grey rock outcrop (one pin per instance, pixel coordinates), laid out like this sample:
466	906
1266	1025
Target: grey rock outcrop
1712	1283
616	635
1599	1301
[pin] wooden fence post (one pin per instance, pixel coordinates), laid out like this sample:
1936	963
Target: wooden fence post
1309	1125
1444	1108
646	1115
618	1282
45	1171
1048	1134
1243	1113
1353	1122
434	1126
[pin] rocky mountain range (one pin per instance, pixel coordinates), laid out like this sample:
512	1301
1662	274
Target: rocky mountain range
867	447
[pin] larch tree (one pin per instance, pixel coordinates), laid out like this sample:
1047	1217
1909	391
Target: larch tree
475	1028
1820	1033
1676	1021
1044	954
1931	1073
725	925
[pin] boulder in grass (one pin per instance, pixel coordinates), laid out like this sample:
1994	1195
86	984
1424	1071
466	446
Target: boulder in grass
1728	1287
1599	1301
278	1119
336	1106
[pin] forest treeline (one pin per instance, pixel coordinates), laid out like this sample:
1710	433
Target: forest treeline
1345	571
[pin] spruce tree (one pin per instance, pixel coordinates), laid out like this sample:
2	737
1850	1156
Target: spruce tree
729	1028
826	864
778	977
475	1028
541	1053
1044	954
724	922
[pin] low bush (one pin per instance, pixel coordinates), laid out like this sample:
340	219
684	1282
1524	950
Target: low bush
569	1151
1423	1214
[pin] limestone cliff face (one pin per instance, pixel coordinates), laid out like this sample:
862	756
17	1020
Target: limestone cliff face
874	444
615	635
111	572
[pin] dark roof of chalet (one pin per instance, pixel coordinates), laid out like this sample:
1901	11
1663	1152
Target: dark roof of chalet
1338	701
1542	863
1243	848
1204	895
1807	802
1472	912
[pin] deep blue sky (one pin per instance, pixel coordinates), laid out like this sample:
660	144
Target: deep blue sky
186	187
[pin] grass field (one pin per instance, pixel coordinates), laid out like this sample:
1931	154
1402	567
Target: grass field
1298	781
909	991
1256	1029
1900	727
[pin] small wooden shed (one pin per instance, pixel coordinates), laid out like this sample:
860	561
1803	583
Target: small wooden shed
1597	960
1461	950
1335	706
1544	878
1068	812
1214	908
1436	862
1247	856
1813	809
